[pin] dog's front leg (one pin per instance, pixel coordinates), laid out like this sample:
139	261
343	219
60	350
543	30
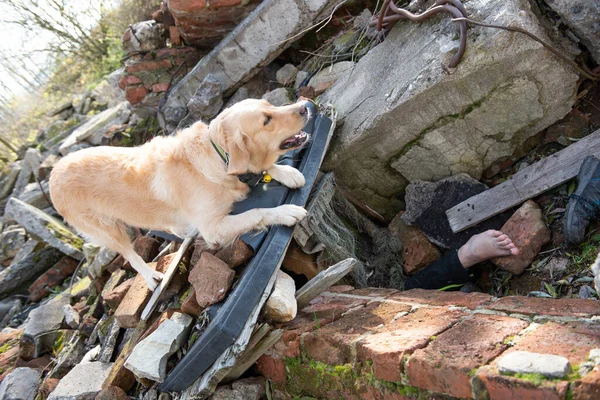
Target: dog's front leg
287	176
228	228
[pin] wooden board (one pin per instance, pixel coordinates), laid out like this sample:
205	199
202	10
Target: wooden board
323	281
525	184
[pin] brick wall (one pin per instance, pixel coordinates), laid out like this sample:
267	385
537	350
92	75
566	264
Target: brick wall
385	344
203	23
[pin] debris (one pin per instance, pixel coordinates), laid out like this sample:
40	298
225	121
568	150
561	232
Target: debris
281	305
46	228
300	78
112	393
11	240
149	357
189	304
143	36
110	342
207	100
244	389
130	308
71	316
330	75
71	354
300	263
29	247
417	250
104	257
528	232
286	75
524	362
20	384
53	277
236	254
323	281
36	194
525	184
83	381
114	297
211	279
41	328
8	182
278	97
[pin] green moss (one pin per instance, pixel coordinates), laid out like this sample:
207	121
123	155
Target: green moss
59	343
535	378
65	235
7	346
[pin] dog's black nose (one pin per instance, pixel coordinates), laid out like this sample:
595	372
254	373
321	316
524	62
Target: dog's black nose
302	110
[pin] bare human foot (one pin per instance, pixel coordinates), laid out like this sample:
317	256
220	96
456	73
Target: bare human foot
484	246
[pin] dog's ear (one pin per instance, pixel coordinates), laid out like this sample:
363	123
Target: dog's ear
238	159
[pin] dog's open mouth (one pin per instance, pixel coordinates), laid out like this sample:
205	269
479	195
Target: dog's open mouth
294	141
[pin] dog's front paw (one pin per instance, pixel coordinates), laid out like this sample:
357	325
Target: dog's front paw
287	176
153	279
287	215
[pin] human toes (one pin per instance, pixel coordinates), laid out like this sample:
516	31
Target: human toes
494	233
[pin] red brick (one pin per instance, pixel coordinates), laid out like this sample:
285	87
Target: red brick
146	247
417	250
333	344
53	277
186	6
112	393
174	36
444	365
322	87
489	384
190	305
572	340
149	66
538	306
340	289
438	298
271	368
128	80
332	306
588	387
387	347
235	255
135	95
374	292
160	87
528	232
115	296
211	279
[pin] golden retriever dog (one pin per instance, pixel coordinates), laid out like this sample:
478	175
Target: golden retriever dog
180	183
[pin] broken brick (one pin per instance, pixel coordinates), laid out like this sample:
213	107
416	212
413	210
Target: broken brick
211	279
53	277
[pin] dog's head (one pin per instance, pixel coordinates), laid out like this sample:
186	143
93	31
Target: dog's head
254	133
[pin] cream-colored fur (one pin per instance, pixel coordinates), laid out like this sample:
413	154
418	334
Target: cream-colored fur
179	183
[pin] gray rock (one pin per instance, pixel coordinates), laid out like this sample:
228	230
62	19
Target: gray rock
595	356
583	17
72	317
84	381
33	157
281	305
402	118
247	49
15	308
29	247
150	395
20	384
11	240
8	182
332	73
524	362
26	269
146	36
101	261
42	325
300	77
286	75
92	355
23	179
71	354
149	357
114	77
207	100
79	101
46	166
110	342
94	128
107	94
278	97
33	194
427	202
46	228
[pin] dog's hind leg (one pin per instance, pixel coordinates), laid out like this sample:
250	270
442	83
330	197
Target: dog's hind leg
113	234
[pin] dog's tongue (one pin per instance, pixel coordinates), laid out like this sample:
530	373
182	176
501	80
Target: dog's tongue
293	141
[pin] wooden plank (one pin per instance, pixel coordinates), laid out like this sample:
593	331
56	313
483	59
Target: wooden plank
166	279
544	175
323	281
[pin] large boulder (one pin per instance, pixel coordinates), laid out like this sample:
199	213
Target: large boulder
403	117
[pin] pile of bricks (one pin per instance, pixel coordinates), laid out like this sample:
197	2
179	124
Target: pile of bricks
386	344
203	23
148	75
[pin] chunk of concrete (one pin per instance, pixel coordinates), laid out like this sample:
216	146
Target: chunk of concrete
84	381
149	357
281	305
402	117
524	362
207	100
104	257
45	227
20	384
42	325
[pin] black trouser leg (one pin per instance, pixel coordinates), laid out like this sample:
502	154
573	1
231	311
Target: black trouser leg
443	272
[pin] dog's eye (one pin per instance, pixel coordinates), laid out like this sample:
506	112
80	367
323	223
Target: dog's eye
267	120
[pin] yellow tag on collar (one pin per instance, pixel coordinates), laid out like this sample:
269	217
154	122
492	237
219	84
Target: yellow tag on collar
267	178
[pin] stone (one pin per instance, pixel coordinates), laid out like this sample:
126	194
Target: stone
524	362
417	250
330	75
48	386
595	356
286	75
243	389
189	304
207	100
278	97
106	94
104	257
33	158
45	227
211	279
27	269
528	232
20	384
84	381
114	297
35	196
427	202
112	393
29	247
72	317
300	263
72	353
11	240
557	307
149	357
236	254
94	128
46	166
8	182
281	305
110	342
300	78
393	127
42	324
143	36
23	179
581	17
53	277
243	53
